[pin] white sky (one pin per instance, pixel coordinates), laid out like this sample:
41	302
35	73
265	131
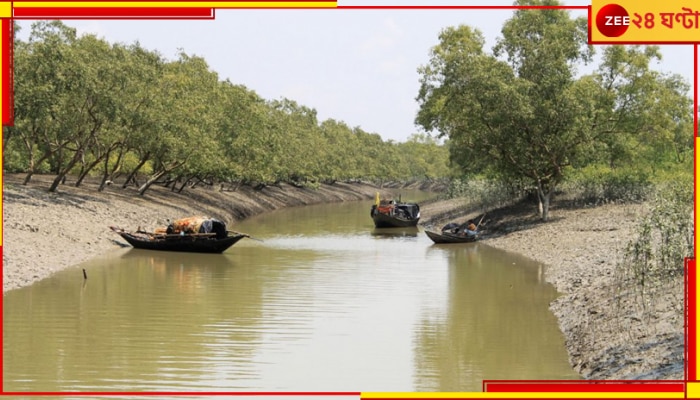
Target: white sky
356	66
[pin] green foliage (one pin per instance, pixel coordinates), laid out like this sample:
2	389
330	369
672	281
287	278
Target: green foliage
88	107
514	118
457	188
14	161
598	184
485	193
519	114
424	157
665	237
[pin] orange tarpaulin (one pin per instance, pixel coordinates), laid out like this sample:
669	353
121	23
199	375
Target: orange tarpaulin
188	225
385	209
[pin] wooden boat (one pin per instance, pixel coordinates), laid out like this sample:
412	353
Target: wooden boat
449	237
193	234
391	214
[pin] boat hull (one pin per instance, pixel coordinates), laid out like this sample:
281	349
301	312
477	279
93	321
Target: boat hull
184	243
446	237
387	221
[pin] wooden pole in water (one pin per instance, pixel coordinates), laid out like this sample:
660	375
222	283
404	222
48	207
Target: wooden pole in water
84	274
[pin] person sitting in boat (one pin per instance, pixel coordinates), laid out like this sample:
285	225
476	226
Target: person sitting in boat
470	229
401	213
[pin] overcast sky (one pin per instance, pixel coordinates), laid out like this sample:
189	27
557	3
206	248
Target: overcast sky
356	66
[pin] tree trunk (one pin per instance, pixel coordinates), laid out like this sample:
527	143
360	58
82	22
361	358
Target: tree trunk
62	173
6	135
60	178
159	174
28	177
184	184
32	166
57	161
32	162
133	173
105	173
150	182
116	170
545	206
543	198
104	156
86	170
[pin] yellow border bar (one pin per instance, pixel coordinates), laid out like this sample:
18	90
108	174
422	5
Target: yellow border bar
693	389
5	9
188	4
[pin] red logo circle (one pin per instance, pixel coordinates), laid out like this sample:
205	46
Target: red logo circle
612	20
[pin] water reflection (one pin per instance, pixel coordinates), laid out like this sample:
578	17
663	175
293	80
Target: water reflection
187	273
495	314
395	232
123	328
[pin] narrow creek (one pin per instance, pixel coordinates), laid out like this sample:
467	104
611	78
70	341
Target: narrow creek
325	302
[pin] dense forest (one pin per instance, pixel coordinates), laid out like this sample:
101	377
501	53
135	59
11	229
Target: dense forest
519	116
523	113
86	107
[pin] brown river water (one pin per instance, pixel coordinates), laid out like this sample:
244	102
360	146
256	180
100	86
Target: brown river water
321	302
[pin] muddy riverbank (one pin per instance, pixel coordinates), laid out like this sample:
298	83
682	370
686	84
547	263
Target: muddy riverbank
45	232
611	332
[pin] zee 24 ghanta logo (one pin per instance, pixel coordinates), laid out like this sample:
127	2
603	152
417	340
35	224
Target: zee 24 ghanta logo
660	22
612	20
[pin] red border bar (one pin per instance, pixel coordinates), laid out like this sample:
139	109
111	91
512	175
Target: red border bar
501	386
690	319
588	387
113	12
8	87
2	358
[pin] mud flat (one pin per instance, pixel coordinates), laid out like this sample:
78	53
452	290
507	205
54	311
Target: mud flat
610	332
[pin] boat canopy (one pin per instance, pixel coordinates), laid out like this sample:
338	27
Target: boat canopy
413	210
198	225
